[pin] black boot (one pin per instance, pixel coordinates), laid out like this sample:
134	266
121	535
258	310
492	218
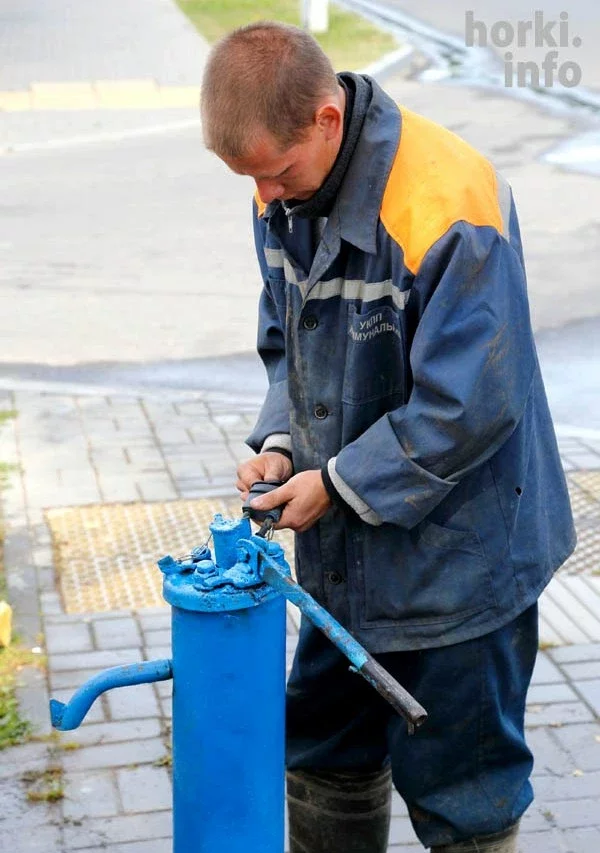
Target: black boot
500	842
339	811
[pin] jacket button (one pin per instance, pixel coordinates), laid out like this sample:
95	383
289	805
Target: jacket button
310	323
334	577
320	411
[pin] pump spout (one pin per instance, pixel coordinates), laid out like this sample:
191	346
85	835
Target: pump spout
70	715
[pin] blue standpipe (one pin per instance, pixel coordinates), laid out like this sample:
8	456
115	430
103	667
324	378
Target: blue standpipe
228	670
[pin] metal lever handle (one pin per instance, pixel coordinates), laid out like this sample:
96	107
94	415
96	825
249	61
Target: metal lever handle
363	663
393	692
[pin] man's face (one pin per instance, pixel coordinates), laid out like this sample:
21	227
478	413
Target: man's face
296	172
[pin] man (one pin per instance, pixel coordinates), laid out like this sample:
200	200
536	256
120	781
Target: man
407	416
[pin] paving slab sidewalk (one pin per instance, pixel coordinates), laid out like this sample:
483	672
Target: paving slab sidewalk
90	449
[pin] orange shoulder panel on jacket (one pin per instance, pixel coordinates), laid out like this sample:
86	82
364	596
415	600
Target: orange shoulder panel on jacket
260	204
436	180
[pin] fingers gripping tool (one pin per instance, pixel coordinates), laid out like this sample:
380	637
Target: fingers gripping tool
267	518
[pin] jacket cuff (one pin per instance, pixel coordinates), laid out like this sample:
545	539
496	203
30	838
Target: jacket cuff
281	441
331	490
363	510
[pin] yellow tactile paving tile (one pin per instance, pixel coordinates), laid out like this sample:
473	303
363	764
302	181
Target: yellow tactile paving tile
15	101
584	491
119	93
53	96
105	555
100	94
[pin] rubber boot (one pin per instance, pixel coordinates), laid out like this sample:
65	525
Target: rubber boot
339	811
500	842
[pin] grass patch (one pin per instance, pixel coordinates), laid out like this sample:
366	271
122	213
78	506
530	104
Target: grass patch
7	415
13	728
44	786
350	43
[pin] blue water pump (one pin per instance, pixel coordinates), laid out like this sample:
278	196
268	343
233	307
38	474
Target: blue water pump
228	671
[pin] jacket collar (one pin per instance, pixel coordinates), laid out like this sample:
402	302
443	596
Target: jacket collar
361	193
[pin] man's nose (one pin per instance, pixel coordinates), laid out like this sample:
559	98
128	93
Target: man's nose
269	190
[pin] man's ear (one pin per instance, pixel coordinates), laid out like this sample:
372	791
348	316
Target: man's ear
329	120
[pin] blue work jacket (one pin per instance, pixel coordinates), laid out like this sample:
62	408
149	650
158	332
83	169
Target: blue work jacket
401	356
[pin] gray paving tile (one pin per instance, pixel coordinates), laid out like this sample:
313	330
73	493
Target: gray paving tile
582	671
401	831
90	795
28	627
94	660
153	488
582	744
18	759
145	789
42	840
557	714
590	690
121	633
545	671
114	755
398	805
117	489
110	614
155	618
157	653
164	688
143	827
73	637
542	694
575	813
547	841
576	653
571	786
161	637
582	840
537	818
32	695
13	796
550	755
161	845
114	732
50	603
130	703
71	679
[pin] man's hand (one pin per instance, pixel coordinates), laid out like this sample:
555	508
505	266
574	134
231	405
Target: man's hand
265	466
305	498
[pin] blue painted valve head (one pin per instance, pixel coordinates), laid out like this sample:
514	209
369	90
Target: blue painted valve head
230	581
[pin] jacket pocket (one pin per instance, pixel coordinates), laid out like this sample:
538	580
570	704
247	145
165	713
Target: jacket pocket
425	575
375	361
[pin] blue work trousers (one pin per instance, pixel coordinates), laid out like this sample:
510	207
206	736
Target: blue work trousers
465	773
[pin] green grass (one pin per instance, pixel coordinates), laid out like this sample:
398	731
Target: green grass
351	42
44	786
13	728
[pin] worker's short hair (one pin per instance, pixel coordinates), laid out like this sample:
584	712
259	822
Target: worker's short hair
264	76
